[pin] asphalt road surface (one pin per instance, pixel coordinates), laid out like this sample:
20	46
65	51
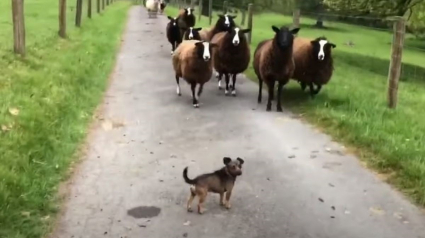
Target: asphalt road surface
297	183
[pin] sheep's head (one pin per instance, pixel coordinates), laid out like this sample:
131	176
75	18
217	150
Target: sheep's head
237	35
225	22
192	33
188	11
322	48
284	37
173	21
203	50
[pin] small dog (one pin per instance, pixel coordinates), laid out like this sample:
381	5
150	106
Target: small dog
220	181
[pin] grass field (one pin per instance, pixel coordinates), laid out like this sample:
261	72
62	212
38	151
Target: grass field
352	108
46	103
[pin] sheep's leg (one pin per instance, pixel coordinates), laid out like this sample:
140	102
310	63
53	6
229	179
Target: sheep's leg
227	76
234	85
312	91
271	94
279	94
178	85
219	76
260	84
194	97
201	87
303	86
319	87
173	47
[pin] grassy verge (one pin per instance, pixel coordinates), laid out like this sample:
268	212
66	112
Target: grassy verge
352	108
47	100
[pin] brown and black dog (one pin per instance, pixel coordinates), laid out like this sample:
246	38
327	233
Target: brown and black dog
220	181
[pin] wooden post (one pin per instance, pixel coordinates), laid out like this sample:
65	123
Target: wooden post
107	2
250	12
396	60
200	10
224	7
89	8
98	6
103	4
243	17
78	13
192	4
62	18
210	11
18	26
296	18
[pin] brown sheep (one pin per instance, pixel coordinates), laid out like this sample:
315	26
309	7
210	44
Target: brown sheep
192	61
273	62
313	62
185	19
192	33
232	55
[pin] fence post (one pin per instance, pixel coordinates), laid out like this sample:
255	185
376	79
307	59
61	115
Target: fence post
192	4
107	2
210	10
225	7
18	26
98	6
103	4
62	18
200	9
296	18
78	13
89	8
250	12
396	57
243	17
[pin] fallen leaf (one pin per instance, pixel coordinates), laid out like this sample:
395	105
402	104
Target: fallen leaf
14	111
377	210
186	223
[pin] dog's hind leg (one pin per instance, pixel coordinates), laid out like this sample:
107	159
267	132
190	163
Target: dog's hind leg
192	196
202	197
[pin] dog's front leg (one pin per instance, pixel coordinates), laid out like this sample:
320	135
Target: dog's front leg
222	199
228	194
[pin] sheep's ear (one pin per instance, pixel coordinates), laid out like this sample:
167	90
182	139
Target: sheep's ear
233	17
275	29
197	29
295	31
241	161
226	160
246	30
220	15
198	44
313	42
170	18
333	45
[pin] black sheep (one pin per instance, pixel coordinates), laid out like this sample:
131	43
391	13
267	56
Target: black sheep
173	33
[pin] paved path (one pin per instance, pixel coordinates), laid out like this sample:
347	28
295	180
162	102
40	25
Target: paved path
296	182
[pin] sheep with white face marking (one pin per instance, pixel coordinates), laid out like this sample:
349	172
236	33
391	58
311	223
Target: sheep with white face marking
313	63
185	19
152	6
162	6
173	33
192	34
192	62
232	55
273	62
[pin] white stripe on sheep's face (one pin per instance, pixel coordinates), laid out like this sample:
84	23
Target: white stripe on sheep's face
189	11
226	20
190	33
204	50
322	48
238	35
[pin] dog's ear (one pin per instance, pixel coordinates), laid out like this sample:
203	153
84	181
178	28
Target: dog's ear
226	160
241	161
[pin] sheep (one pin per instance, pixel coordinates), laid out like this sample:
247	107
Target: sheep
162	6
192	61
192	33
185	19
173	34
273	61
232	55
152	7
314	63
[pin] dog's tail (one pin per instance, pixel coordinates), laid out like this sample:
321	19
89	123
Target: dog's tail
187	179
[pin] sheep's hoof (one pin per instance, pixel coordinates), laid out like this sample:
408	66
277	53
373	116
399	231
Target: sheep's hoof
196	105
226	92
269	108
279	109
234	93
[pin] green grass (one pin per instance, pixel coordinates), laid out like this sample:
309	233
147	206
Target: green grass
352	107
55	89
